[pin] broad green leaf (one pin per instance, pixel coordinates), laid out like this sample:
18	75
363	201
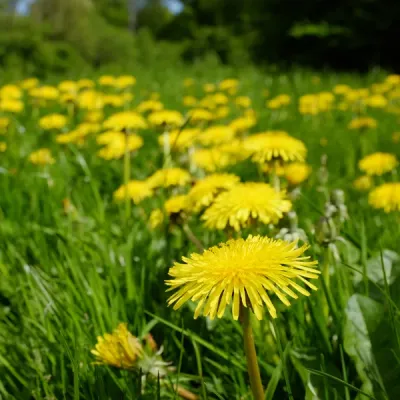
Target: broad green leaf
362	317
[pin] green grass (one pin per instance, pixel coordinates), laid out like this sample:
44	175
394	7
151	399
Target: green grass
64	281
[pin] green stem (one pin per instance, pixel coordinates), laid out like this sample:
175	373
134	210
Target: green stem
192	237
127	177
283	359
251	355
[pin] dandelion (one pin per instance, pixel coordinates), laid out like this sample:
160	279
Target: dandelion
169	177
168	118
107	80
277	146
3	147
297	173
242	124
363	123
189	101
42	157
378	163
53	121
205	190
215	135
243	101
179	140
200	115
376	101
211	160
134	190
244	273
4	124
149	106
228	84
11	105
386	197
125	121
120	145
245	203
363	183
125	81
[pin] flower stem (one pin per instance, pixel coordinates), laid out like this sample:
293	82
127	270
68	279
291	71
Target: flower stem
251	355
192	237
127	177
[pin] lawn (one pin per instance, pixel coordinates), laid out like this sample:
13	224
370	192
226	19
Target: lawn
99	200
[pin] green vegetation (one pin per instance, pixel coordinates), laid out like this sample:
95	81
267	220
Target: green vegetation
70	276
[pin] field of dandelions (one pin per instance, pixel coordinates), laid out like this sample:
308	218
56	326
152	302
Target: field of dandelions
200	235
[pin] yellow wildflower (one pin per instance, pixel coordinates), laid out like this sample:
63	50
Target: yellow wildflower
245	203
134	190
41	157
363	123
378	163
125	121
53	121
386	197
119	145
363	183
297	173
216	134
166	118
169	177
241	272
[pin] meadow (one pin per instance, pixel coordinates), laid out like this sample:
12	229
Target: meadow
107	181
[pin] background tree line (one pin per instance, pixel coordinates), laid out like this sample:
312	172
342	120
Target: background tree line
56	35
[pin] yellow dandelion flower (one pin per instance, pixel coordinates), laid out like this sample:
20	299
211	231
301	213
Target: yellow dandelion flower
199	115
149	105
113	100
179	140
341	89
169	177
215	135
176	204
94	116
221	112
212	159
378	163
68	86
245	203
243	124
189	101
120	349
220	99
275	145
10	92
156	218
85	84
44	93
242	272
243	101
29	83
209	87
125	120
363	183
41	157
297	173
107	80
376	101
4	124
166	118
90	100
11	105
205	190
125	81
118	146
362	123
393	79
228	84
134	190
53	121
3	147
386	197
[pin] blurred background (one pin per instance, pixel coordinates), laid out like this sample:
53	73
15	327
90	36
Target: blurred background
44	37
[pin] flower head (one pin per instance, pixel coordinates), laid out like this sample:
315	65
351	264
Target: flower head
53	121
179	139
135	190
169	177
363	123
204	191
296	172
119	144
120	349
378	163
215	135
277	145
242	272
386	197
363	183
126	120
41	157
164	118
243	204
